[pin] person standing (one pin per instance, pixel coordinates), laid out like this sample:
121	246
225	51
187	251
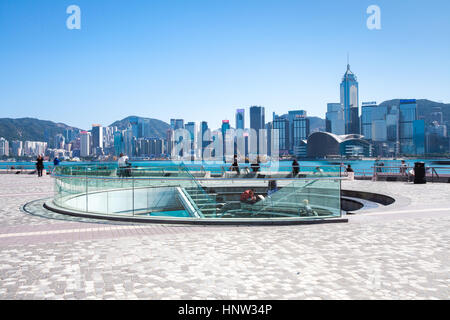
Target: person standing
56	162
39	165
123	166
350	173
235	166
295	168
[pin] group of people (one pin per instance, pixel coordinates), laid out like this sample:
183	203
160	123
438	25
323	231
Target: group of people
254	166
40	164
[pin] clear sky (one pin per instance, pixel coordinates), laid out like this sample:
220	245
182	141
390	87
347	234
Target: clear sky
200	60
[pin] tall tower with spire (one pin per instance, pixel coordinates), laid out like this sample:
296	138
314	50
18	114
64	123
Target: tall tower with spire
350	101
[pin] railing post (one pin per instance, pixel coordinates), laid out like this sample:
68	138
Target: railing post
132	188
87	201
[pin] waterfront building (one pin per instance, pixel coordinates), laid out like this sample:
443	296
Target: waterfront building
240	119
4	147
324	144
334	121
85	144
350	101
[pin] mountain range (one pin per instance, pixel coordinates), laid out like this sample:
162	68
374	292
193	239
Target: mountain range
41	130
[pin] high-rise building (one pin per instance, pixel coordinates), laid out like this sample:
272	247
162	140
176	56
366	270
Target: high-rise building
4	147
59	141
295	137
240	119
350	101
367	110
204	138
97	136
419	137
17	148
437	115
437	141
85	144
134	126
192	128
335	119
225	127
299	130
118	143
281	125
177	124
407	116
257	118
34	148
257	122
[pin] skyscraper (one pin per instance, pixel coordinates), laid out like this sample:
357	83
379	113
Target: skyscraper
350	101
177	124
240	119
85	144
192	128
298	127
97	136
17	148
4	147
257	118
204	137
282	126
335	122
408	114
257	122
367	110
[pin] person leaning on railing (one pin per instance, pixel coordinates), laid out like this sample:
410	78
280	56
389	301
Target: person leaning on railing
124	166
350	173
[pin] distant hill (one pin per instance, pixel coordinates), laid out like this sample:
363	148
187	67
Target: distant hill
31	129
316	124
157	128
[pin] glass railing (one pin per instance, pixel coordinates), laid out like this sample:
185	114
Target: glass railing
180	192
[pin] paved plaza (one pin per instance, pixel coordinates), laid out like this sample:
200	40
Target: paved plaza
401	251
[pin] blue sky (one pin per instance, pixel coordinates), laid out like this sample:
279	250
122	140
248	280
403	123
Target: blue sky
200	60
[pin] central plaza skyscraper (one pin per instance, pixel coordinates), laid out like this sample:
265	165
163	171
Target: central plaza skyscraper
350	101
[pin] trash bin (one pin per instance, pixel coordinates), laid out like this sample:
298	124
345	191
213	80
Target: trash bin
419	173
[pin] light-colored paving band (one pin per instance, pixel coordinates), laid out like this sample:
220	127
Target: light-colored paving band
38	233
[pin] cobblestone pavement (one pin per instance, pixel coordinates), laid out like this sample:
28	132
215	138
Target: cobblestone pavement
395	252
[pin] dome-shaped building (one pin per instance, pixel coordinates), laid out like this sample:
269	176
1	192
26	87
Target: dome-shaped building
323	144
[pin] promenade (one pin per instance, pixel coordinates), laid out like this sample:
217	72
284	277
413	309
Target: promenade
401	251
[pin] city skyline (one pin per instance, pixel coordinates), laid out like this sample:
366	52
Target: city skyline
179	60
